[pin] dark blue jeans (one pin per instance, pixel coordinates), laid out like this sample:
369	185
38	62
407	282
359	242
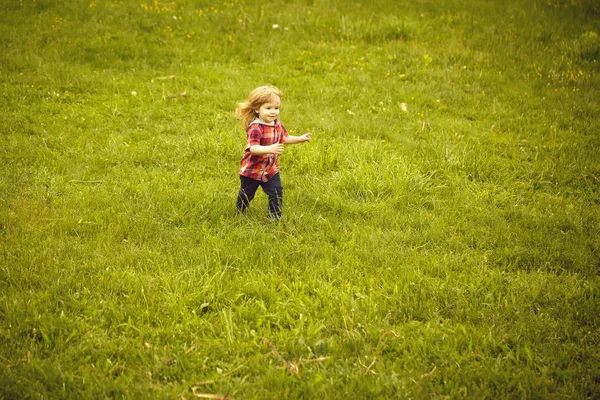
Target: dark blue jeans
272	188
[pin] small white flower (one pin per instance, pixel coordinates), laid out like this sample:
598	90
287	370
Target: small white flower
403	107
275	26
134	93
350	112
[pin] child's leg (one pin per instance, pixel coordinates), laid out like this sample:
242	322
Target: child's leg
275	191
247	190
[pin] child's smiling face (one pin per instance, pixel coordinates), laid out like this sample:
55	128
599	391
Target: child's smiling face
269	111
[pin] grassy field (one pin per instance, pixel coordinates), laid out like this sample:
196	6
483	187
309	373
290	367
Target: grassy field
441	232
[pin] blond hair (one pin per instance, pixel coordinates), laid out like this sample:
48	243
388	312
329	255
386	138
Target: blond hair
247	110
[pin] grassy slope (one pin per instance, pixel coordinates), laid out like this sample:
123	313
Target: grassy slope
451	250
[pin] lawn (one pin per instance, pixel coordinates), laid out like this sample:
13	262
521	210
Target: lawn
441	232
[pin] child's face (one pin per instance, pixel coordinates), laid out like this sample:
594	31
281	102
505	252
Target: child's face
269	111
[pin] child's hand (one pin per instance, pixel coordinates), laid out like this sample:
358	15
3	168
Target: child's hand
307	136
276	148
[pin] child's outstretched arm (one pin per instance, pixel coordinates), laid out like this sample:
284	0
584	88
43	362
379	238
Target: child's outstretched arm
298	139
264	150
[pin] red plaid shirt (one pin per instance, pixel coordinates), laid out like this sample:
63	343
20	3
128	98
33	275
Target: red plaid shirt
262	168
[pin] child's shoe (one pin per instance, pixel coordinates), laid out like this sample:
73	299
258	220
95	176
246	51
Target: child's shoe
274	217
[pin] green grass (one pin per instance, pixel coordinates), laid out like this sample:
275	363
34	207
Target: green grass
449	251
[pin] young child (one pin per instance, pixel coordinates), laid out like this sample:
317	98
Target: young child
265	139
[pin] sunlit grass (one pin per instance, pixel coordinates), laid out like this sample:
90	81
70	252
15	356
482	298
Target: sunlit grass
440	232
